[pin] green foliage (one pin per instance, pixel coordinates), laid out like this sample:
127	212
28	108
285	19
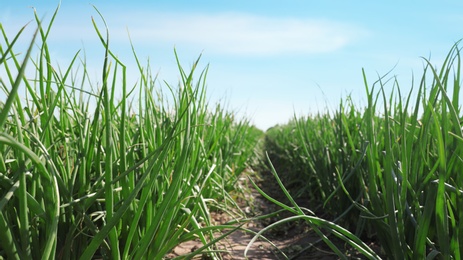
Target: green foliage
318	225
393	175
413	177
86	175
82	175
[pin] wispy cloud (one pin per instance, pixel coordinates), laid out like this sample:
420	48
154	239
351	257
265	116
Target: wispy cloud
228	33
231	33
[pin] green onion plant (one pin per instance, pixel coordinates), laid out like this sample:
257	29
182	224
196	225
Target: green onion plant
89	174
389	172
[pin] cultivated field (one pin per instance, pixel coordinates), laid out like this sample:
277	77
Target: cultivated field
88	174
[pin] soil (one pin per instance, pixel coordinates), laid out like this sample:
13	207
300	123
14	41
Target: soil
293	240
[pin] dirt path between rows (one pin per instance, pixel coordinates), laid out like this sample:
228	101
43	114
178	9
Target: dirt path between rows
292	238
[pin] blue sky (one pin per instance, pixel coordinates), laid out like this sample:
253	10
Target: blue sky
268	59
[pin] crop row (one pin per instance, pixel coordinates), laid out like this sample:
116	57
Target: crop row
389	171
85	175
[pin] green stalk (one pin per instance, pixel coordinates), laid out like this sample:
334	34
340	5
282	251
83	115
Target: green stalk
7	240
14	90
109	198
23	207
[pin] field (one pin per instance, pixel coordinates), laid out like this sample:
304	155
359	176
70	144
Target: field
86	174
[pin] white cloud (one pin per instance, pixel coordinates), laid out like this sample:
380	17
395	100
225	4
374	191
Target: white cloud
232	33
224	33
